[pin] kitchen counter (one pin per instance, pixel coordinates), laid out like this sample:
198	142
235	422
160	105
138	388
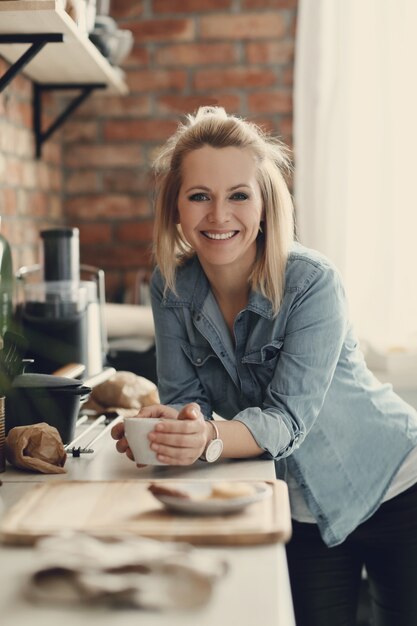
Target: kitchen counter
257	583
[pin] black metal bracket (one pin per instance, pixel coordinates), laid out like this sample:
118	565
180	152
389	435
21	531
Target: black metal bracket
38	41
38	88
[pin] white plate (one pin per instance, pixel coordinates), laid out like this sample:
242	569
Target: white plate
200	502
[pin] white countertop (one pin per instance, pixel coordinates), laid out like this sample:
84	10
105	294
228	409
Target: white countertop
256	585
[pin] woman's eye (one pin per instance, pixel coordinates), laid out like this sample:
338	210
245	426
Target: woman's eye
239	195
198	197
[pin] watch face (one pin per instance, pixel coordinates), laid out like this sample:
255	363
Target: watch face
214	450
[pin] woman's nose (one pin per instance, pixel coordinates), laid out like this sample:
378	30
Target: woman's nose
219	212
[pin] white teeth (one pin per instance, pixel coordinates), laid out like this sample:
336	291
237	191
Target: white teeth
219	235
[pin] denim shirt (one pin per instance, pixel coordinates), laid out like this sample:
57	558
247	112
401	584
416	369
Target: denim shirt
296	379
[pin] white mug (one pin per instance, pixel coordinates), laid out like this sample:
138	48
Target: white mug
136	432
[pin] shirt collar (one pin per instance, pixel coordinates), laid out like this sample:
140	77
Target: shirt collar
193	287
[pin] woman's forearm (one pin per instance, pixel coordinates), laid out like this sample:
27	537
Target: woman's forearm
238	441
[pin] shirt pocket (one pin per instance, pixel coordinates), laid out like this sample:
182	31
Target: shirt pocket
209	369
263	361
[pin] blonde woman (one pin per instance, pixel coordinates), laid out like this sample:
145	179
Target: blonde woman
253	326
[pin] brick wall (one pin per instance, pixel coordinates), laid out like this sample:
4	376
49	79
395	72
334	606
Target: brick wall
95	172
30	190
235	53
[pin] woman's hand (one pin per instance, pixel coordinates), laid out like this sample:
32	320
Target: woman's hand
178	440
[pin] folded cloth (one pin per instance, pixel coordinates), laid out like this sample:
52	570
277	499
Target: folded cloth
130	571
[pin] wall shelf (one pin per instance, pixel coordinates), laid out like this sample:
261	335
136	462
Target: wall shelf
75	60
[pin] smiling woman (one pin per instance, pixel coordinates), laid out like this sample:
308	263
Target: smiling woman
220	217
254	327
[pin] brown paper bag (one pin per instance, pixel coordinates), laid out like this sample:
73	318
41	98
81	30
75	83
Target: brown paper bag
124	390
37	447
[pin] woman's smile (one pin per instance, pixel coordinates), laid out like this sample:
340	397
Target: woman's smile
219	236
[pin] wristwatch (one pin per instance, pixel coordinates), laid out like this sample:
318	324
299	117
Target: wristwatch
214	448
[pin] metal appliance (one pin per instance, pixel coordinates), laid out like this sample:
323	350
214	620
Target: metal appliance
61	308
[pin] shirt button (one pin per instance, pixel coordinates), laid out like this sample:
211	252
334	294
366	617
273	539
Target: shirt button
222	354
198	318
198	360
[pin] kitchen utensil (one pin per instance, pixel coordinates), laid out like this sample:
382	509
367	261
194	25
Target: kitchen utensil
36	398
72	370
122	507
97	422
87	448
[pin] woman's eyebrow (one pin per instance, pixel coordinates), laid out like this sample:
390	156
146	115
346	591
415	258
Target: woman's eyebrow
204	188
197	187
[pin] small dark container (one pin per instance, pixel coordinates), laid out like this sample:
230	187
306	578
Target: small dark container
36	398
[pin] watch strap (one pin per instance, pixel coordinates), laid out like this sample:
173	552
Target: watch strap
216	436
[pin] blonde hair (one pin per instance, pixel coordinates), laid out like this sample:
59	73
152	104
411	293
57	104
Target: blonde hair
212	126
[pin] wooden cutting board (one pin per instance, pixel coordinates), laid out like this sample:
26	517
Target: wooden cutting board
112	508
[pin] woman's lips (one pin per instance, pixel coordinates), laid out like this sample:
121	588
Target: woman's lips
216	236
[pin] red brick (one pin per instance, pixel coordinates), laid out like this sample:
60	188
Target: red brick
80	181
3	169
21	86
8	201
126	8
27	256
270	52
163	30
55	206
38	203
56	179
243	77
19	113
267	25
117	257
135	231
189	104
127	106
91	234
13	172
285	129
98	206
194	54
30	177
189	6
51	151
77	131
139	56
268	124
288	76
156	80
270	102
269	4
102	156
139	130
127	181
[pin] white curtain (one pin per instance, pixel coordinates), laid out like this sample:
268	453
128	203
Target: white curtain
355	143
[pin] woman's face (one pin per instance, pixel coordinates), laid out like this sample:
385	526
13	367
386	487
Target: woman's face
220	206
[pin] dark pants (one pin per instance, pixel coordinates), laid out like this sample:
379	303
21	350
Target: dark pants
325	582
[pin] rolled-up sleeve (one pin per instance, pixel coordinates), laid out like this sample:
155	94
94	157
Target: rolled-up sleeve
316	327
